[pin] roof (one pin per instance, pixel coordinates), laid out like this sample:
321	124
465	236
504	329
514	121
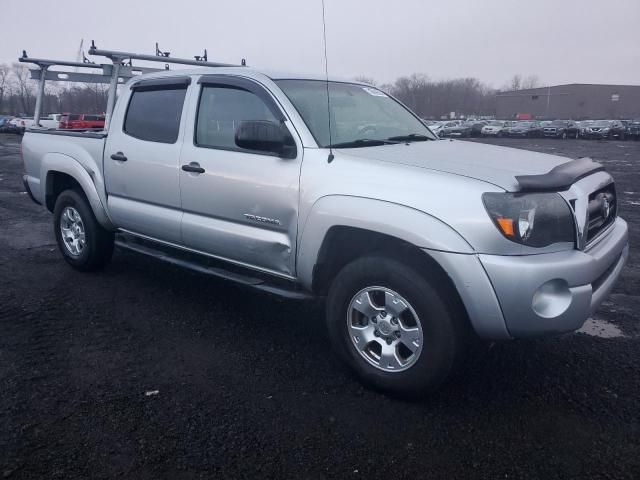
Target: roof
246	72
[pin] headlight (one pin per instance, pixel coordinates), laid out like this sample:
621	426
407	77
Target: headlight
533	219
605	129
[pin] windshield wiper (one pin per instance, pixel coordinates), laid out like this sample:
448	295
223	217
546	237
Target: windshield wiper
363	142
412	137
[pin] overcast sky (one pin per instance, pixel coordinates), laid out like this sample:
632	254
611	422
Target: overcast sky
561	41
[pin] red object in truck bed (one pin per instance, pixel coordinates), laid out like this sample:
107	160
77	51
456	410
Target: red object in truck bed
81	122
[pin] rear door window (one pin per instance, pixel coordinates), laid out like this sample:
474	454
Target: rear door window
154	114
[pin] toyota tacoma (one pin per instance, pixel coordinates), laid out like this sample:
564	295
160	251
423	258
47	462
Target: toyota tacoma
418	246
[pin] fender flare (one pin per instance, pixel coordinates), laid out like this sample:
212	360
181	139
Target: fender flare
405	223
58	162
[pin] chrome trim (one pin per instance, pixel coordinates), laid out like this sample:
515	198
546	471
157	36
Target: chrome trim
579	193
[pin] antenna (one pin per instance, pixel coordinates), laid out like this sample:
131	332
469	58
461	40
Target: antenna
326	74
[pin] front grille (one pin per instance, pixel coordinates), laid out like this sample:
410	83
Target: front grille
602	210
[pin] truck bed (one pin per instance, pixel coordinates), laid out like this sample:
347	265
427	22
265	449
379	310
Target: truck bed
56	150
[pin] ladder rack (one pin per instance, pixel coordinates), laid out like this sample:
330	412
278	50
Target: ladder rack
163	57
120	70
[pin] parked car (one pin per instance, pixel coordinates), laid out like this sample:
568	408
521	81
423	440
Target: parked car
633	130
416	246
4	120
81	121
456	129
495	128
51	121
526	128
606	129
476	127
582	127
561	129
19	124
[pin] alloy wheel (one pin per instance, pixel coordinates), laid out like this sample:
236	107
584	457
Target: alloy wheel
384	329
72	230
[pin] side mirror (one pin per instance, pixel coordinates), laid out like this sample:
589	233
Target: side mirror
265	136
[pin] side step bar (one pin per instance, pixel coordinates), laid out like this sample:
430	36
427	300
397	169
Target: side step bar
191	261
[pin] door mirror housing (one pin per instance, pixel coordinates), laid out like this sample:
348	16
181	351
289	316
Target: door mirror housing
265	136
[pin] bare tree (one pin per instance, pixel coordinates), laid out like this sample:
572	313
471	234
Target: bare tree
518	82
530	81
25	89
4	83
429	99
515	83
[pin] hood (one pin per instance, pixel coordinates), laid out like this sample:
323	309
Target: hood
493	164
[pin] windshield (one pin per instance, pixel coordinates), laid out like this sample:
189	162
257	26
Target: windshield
358	112
601	123
496	124
524	124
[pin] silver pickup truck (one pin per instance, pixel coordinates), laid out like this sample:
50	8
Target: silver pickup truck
419	245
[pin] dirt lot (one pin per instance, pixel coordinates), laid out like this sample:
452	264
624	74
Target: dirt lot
147	371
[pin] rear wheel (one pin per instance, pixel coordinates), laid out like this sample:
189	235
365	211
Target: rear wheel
393	327
83	242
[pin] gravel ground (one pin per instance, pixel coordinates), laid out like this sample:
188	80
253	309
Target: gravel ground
148	371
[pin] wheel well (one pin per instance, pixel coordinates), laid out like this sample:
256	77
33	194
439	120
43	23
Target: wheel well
343	244
58	182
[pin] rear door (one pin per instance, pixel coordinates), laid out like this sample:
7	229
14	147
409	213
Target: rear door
141	159
243	205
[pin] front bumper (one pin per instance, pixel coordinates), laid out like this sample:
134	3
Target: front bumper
557	292
508	296
596	134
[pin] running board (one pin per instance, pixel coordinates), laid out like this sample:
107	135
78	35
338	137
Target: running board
176	257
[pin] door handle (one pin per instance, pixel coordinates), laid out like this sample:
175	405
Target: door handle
193	167
119	156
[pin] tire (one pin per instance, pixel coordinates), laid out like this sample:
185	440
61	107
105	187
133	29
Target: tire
442	325
72	210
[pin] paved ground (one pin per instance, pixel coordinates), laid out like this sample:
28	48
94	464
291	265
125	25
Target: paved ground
147	371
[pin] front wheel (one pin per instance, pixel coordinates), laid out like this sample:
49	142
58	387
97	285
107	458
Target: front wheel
83	242
396	329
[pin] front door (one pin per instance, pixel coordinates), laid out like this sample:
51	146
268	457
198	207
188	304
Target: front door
239	205
141	159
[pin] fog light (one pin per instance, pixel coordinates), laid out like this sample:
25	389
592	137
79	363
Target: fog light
552	298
